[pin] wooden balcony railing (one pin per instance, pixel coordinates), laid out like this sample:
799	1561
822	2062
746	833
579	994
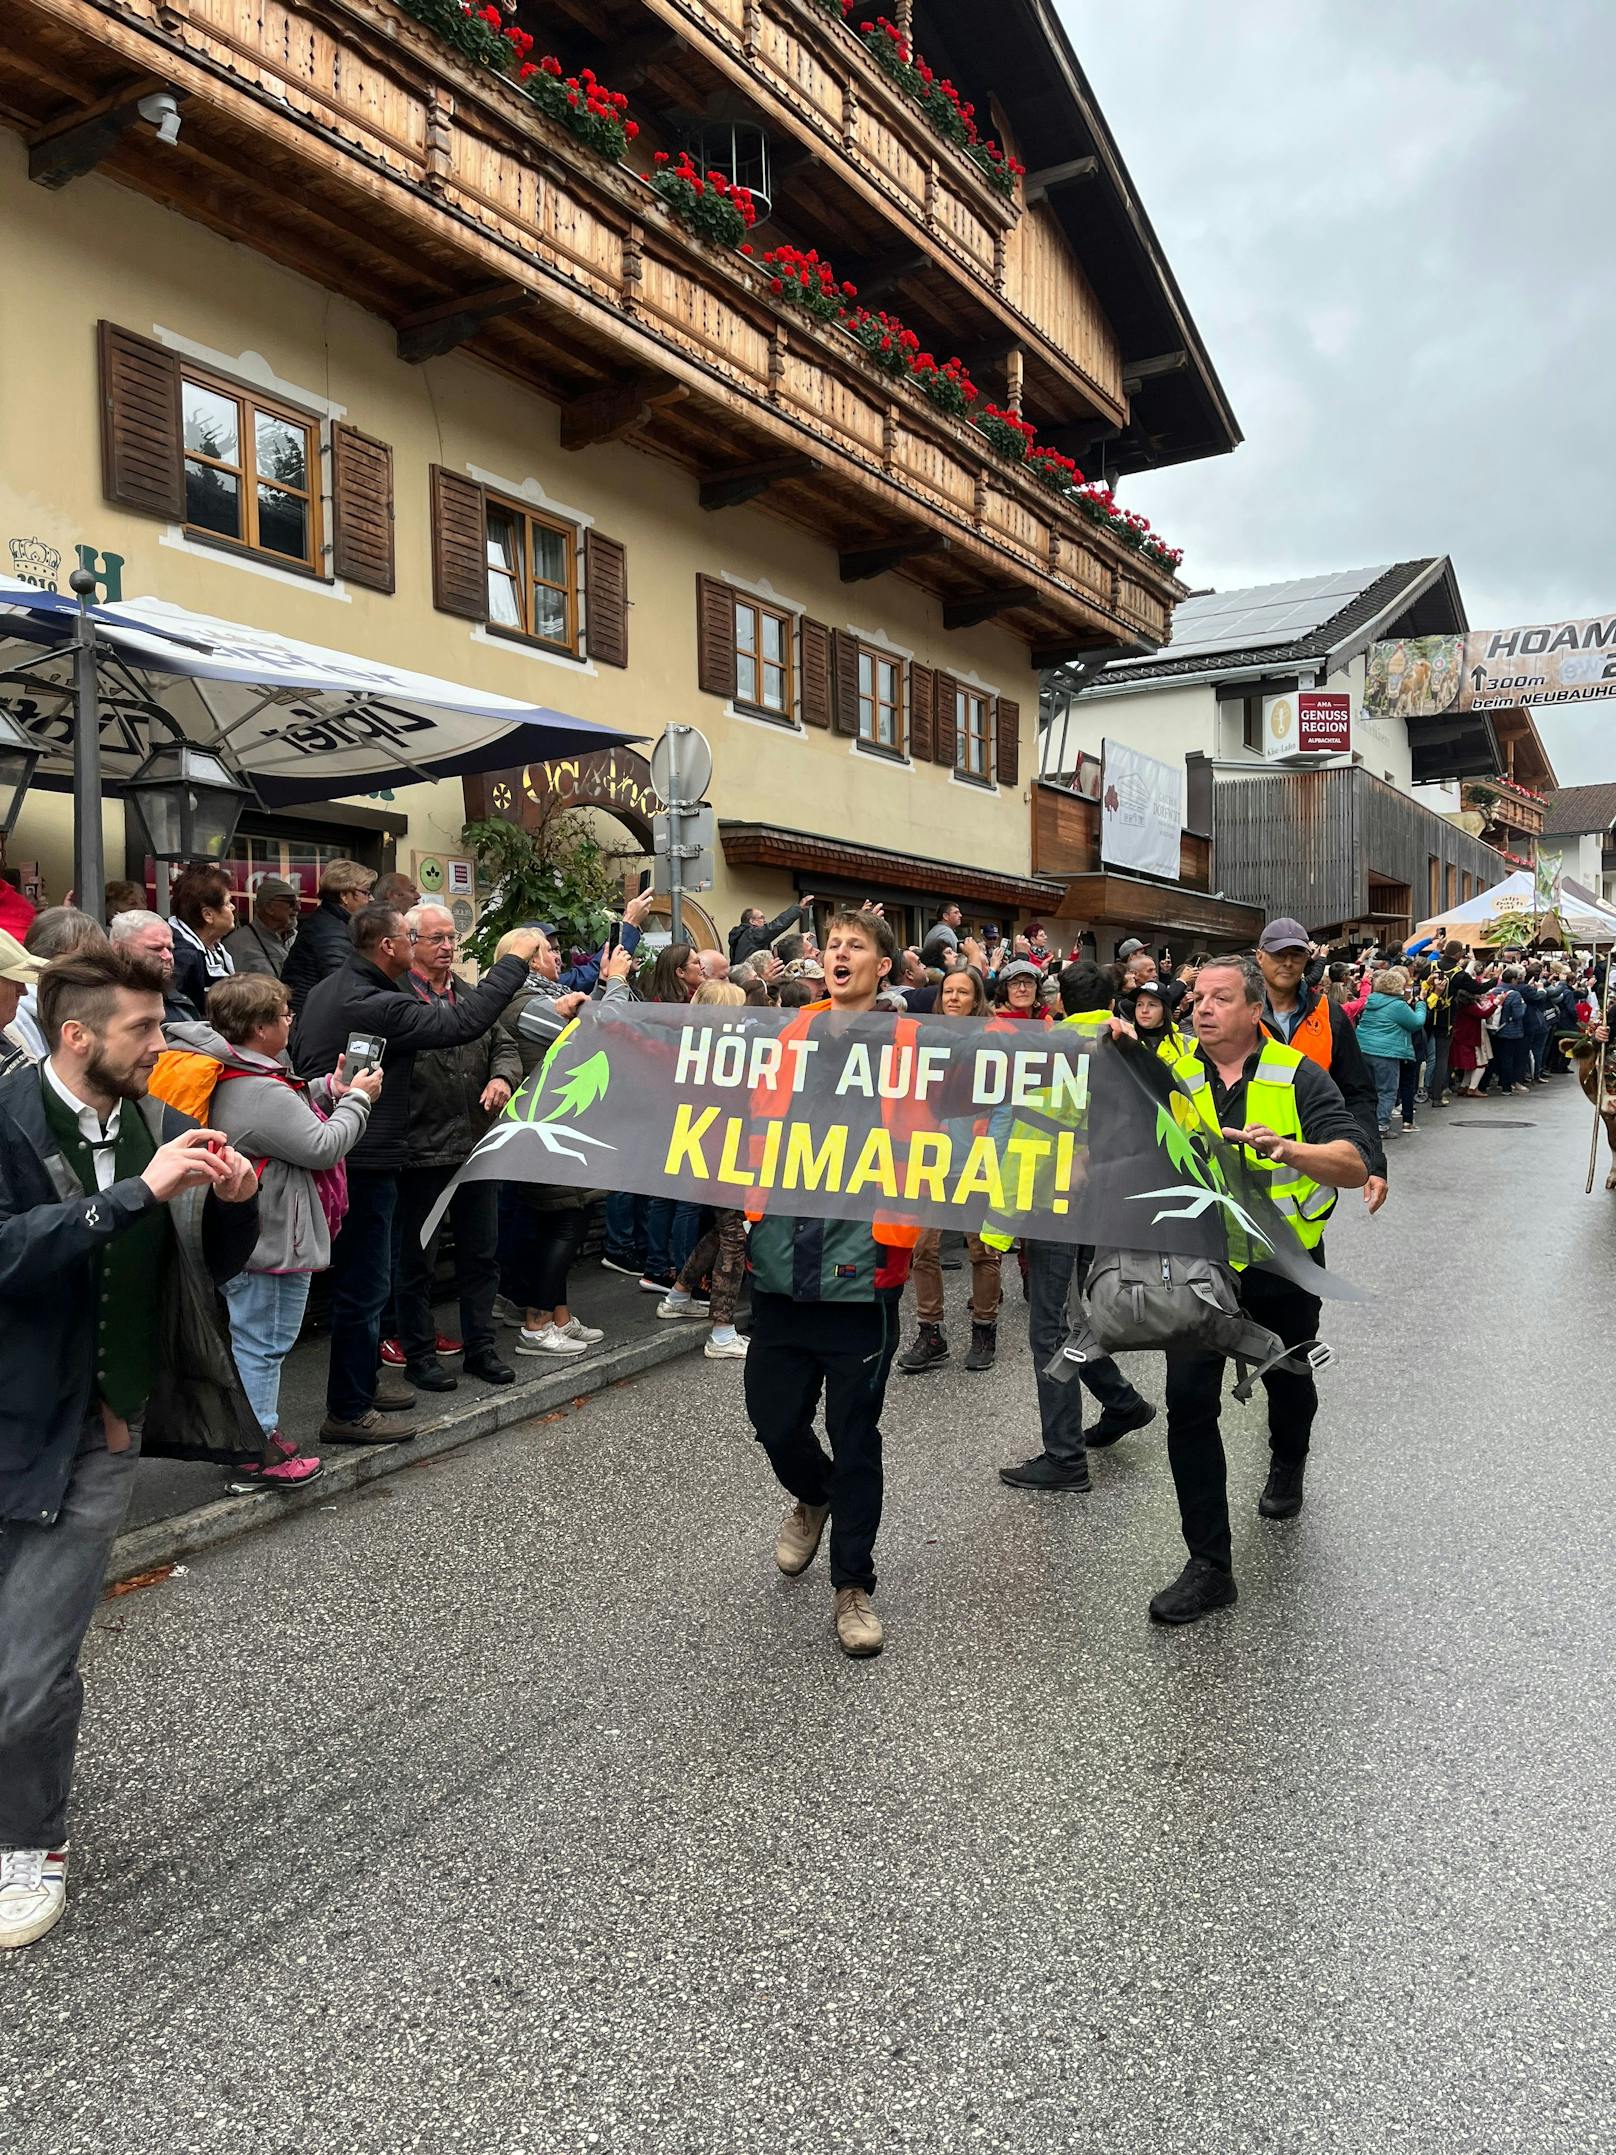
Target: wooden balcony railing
1066	839
1509	806
341	138
817	81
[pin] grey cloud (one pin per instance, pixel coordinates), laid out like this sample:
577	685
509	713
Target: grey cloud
1390	222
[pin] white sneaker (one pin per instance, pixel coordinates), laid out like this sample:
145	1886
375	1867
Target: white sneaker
726	1350
33	1893
691	1307
588	1333
549	1341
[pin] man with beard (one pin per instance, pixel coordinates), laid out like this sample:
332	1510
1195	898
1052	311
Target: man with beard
114	1209
150	937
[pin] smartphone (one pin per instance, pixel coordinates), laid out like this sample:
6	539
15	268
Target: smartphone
364	1051
614	937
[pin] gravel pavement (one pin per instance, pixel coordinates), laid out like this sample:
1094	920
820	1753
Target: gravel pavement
516	1803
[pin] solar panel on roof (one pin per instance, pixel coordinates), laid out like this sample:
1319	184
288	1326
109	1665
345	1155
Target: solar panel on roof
1261	614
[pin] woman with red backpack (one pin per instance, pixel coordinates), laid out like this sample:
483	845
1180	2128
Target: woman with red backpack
297	1135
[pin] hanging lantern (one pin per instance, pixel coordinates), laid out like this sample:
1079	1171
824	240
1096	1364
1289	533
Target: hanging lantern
740	150
187	803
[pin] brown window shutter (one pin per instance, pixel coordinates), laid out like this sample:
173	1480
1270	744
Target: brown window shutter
945	721
922	696
362	509
1009	730
816	697
844	674
142	457
459	545
606	599
715	637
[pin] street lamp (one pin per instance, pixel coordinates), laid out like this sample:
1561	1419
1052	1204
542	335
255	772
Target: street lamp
18	756
186	803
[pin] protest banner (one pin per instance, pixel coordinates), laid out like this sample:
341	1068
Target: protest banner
1057	1132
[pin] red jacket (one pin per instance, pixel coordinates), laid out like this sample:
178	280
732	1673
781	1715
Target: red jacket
16	912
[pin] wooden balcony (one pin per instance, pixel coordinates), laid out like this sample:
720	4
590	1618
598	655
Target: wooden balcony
1512	808
340	138
863	176
1066	839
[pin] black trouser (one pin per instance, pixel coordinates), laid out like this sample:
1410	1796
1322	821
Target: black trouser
1194	1393
474	1209
845	1350
1051	1267
537	1244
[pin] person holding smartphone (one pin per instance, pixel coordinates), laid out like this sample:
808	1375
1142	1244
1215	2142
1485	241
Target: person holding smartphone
370	994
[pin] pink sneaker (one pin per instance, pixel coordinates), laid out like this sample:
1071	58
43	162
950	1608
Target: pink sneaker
289	1469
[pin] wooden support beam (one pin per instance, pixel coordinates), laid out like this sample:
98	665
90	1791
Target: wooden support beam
1136	371
744	482
435	330
969	613
1079	438
616	408
861	562
879	275
991	351
81	140
1037	184
631	59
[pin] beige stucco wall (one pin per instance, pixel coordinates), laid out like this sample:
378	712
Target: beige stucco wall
97	250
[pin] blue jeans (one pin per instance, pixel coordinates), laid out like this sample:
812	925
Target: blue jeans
625	1228
50	1582
672	1231
266	1315
1387	1073
361	1280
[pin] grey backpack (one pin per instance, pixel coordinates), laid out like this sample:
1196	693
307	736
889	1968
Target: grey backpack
1145	1301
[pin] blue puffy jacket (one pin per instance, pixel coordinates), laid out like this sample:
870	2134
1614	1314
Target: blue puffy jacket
1388	1026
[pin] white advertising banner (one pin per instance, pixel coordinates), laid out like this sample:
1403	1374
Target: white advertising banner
1141	811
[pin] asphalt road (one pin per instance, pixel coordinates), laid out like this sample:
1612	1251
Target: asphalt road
516	1803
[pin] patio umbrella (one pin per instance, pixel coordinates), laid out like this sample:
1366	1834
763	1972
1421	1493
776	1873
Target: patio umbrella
96	688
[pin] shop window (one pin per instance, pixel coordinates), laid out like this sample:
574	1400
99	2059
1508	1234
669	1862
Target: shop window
1433	886
764	674
1453	888
880	700
973	722
252	470
532	575
1251	724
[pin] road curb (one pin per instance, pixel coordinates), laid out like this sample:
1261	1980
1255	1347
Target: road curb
165	1541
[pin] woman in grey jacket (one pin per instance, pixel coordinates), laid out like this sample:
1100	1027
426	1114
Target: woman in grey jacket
292	1133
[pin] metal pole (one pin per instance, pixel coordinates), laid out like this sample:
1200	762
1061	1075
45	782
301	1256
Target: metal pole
89	861
676	834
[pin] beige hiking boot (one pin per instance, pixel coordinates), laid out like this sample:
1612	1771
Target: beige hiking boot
797	1543
858	1628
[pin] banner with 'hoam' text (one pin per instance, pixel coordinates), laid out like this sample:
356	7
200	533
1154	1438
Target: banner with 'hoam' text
1056	1132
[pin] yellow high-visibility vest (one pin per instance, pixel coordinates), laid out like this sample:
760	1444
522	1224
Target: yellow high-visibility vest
1271	1100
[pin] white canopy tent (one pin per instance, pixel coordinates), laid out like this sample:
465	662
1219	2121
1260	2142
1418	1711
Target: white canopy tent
1575	910
95	689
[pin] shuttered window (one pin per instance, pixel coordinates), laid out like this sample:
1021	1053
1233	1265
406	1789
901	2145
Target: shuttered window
844	682
880	700
764	672
252	470
361	509
973	753
945	720
605	599
532	565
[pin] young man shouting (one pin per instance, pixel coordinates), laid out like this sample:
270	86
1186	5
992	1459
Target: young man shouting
825	1297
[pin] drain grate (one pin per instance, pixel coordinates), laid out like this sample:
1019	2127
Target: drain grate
1489	1124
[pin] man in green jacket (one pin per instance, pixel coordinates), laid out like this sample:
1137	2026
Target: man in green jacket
825	1297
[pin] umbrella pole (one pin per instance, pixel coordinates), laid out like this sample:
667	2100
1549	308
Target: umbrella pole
89	861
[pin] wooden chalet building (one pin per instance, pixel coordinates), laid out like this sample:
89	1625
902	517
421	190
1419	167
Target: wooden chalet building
320	321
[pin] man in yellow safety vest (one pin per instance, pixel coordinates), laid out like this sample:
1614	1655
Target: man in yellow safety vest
1298	1133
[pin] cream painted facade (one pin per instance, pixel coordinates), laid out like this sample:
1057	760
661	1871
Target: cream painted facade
97	251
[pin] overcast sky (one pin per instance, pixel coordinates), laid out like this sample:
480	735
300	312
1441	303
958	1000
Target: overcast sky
1391	220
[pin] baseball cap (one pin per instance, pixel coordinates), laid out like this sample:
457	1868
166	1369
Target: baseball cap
16	963
1284	935
1127	949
